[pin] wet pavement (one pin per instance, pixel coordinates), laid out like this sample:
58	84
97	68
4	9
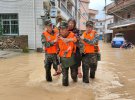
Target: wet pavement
9	53
22	78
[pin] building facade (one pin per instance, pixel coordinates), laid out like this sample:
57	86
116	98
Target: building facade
84	10
86	13
102	28
124	18
25	17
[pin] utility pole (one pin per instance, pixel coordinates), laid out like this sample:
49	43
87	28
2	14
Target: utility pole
53	11
1	30
105	23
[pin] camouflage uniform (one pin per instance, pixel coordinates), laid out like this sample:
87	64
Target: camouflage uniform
49	58
68	63
89	60
78	56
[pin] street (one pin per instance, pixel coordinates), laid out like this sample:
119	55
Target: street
22	77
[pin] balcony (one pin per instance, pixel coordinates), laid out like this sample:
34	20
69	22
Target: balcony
122	23
121	5
92	11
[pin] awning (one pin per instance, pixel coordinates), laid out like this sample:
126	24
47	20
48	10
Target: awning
118	26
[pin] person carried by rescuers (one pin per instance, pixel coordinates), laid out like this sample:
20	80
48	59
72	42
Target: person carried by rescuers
78	57
90	52
66	53
49	41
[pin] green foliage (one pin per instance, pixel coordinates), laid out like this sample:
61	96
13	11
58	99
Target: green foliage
25	50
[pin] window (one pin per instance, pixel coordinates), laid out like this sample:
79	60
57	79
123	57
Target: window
9	24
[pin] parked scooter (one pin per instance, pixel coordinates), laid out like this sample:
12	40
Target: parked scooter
127	45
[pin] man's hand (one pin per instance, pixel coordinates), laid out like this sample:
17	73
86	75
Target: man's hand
55	40
64	39
82	37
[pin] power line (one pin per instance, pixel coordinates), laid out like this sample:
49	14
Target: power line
78	12
114	13
84	8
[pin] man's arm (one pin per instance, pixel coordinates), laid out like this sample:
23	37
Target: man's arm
72	39
46	43
94	41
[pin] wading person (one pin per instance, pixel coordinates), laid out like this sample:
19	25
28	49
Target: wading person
78	57
89	58
66	53
49	41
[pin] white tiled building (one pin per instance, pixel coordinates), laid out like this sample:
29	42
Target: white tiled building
102	28
23	17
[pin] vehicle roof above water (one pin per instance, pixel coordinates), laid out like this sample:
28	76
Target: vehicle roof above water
118	39
118	34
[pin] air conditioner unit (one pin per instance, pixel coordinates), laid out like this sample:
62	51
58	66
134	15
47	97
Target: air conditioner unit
53	12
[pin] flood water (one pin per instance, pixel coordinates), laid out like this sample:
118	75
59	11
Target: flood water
23	78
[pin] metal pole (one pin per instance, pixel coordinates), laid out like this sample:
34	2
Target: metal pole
105	23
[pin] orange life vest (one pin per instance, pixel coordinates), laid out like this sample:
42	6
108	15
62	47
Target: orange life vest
67	49
49	38
87	47
56	30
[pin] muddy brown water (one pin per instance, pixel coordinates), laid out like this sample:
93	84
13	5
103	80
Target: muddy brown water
22	78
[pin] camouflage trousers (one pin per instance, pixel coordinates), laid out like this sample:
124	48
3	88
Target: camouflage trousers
74	70
89	63
50	59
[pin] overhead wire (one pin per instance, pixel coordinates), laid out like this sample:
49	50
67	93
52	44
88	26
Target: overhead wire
84	8
78	12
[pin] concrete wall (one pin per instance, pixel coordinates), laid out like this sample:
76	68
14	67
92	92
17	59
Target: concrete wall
129	33
28	11
130	36
14	42
84	13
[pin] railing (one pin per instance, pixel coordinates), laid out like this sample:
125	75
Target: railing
91	11
122	22
120	6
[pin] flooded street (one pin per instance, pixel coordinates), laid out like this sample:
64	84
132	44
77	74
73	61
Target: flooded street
22	78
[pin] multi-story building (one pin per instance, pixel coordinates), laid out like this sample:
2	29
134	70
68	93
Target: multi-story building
101	27
86	13
84	4
24	17
92	14
124	18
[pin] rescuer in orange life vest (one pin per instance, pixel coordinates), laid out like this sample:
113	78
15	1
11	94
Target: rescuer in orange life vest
49	41
66	53
90	50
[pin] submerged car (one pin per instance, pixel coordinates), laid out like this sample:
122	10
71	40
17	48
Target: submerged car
118	40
